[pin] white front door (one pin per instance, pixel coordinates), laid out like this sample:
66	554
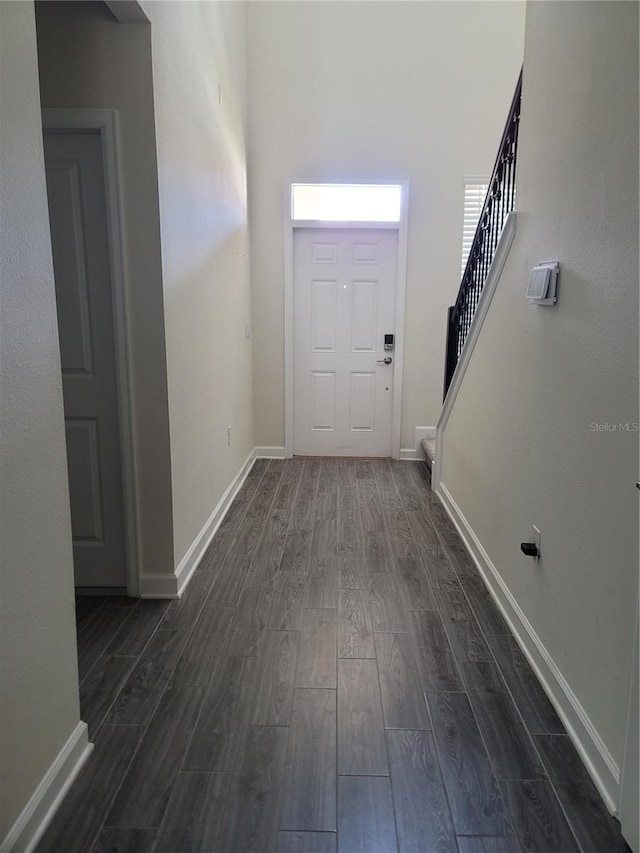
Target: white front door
344	305
79	239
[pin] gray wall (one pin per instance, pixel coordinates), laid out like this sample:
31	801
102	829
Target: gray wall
375	90
88	59
185	216
203	216
523	445
38	673
201	143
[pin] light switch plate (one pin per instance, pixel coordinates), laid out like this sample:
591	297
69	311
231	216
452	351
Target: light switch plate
543	284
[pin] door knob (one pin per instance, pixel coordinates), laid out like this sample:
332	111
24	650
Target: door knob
386	360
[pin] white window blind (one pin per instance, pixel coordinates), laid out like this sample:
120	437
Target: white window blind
475	190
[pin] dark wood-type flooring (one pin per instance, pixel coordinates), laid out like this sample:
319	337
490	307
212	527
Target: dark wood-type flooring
335	678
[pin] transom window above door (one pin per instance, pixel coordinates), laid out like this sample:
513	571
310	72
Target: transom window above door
346	202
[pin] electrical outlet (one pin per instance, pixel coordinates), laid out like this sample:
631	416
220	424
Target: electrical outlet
247	329
536	537
229	436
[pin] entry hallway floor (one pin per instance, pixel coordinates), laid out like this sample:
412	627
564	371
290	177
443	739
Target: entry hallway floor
335	678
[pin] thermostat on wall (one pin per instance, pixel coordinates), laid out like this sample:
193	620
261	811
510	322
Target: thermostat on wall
543	284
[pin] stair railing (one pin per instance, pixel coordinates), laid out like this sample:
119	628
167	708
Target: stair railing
500	201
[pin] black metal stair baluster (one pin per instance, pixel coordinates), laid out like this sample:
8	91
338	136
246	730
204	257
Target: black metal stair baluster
499	202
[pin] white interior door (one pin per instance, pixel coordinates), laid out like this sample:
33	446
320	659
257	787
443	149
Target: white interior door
79	237
344	304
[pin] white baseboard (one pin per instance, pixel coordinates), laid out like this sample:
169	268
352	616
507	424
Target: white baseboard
45	800
408	454
416	452
601	765
190	561
172	586
270	453
158	586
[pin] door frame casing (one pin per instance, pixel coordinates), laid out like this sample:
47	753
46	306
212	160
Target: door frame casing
401	227
105	121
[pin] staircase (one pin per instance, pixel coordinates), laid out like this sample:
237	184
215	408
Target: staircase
429	447
500	201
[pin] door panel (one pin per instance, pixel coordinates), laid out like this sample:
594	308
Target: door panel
83	461
79	239
71	293
344	304
325	253
323	314
323	400
365	253
363	401
364	316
